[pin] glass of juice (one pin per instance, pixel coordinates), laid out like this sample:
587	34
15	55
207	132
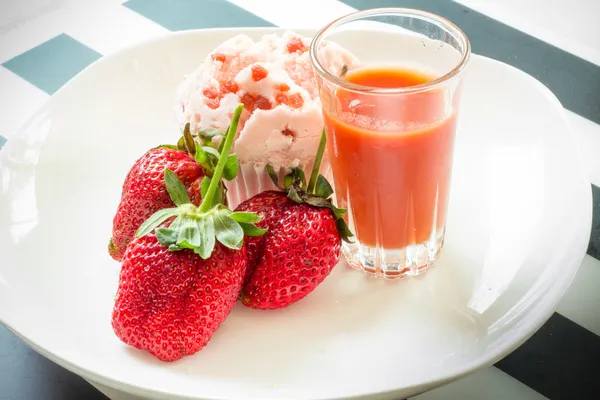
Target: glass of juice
390	117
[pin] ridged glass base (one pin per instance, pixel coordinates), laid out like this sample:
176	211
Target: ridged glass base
394	263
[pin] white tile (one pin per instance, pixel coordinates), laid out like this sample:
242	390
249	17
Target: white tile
108	28
572	26
581	302
23	35
489	384
103	25
587	136
294	14
19	100
16	13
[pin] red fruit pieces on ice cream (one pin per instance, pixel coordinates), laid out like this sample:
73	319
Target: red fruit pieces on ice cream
259	72
296	45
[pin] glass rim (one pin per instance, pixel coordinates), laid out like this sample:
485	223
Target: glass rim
424	15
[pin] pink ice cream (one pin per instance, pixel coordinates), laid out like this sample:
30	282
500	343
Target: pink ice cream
282	121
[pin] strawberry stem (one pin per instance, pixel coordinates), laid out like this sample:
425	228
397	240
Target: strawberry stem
207	200
317	165
200	228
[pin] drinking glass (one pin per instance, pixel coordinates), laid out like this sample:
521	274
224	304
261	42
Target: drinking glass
390	118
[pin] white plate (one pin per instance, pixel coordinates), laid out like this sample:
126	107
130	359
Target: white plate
518	227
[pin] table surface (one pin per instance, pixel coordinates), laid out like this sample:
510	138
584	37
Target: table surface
44	43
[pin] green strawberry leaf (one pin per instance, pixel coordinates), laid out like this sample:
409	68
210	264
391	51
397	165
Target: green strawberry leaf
321	202
176	188
288	181
339	212
177	223
207	236
174	247
273	175
181	144
206	141
189	235
166	236
293	194
323	188
318	201
228	231
188	140
317	164
212	151
231	167
248	217
222	142
200	156
295	178
343	229
155	220
299	177
252	230
209	133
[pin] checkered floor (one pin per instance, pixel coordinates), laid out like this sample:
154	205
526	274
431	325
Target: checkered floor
44	43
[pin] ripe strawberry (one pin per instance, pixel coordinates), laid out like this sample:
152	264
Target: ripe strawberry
269	205
180	280
298	252
144	191
302	244
170	302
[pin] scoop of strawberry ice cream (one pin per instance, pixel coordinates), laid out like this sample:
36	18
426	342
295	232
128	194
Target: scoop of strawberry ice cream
273	78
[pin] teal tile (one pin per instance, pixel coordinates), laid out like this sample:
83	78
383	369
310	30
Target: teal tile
2	141
178	15
51	64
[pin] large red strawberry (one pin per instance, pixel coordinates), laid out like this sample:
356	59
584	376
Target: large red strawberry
183	272
170	302
302	243
144	191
